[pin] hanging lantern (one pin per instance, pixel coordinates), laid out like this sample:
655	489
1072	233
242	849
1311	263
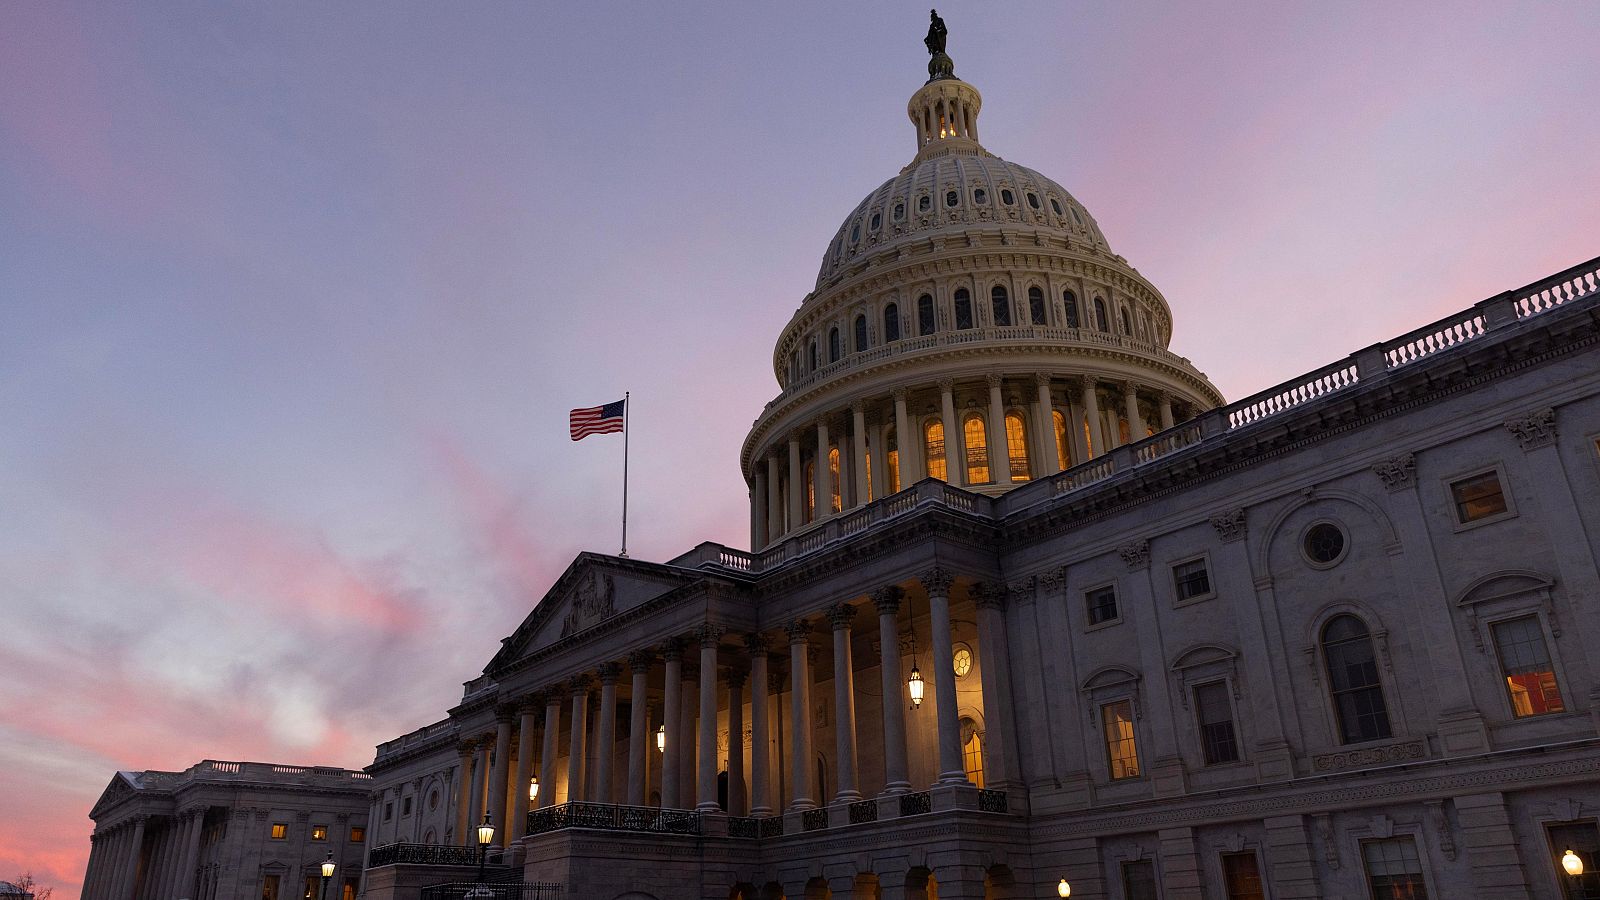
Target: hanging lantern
485	832
1571	863
914	685
661	739
1063	890
533	789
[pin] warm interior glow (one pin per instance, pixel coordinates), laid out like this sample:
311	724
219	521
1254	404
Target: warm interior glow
1063	889
485	832
935	450
661	739
914	685
1571	863
533	788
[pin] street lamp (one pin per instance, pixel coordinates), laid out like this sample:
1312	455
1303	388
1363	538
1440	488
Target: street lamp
661	739
1572	863
1063	889
533	790
328	865
485	838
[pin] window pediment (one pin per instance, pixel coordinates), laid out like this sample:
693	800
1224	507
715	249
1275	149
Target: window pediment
1504	585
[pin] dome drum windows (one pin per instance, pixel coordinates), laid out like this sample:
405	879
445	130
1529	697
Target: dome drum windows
1069	303
980	197
861	333
1055	205
876	223
855	232
1036	314
899	213
835	345
1000	305
963	309
952	198
1017	447
934	449
927	321
1033	200
1008	198
1101	322
924	203
891	323
976	434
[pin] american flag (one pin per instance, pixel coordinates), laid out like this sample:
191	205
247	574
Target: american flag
597	420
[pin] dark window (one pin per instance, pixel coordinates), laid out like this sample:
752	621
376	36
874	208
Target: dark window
963	308
1353	681
861	333
1139	880
1036	306
1102	603
1127	325
1324	543
1070	301
1100	321
834	347
1525	664
1055	205
891	323
1190	579
924	203
1000	302
1242	877
899	211
980	196
405	807
877	219
1077	217
1478	497
1393	870
1217	738
1584	842
269	888
1033	200
1007	197
927	323
855	232
813	354
951	198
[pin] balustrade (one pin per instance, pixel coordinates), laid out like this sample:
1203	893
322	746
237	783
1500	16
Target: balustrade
611	817
422	855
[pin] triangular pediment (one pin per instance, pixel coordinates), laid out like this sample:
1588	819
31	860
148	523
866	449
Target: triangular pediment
120	789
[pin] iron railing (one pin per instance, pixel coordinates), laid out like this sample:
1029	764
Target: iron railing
916	803
422	854
614	818
499	890
864	811
772	827
743	827
814	819
992	801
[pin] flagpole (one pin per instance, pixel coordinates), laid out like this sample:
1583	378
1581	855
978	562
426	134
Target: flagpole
625	405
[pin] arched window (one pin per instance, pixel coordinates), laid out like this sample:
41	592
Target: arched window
1353	681
891	445
1069	300
833	344
977	440
934	442
1001	303
926	322
972	750
1127	323
1017	447
811	490
891	323
963	308
1035	306
861	333
833	478
813	354
1100	320
1063	444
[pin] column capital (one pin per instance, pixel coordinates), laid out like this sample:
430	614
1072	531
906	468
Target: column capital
528	704
756	644
937	580
947	384
899	394
641	660
799	631
1534	430
993	379
988	596
672	648
579	684
691	671
1021	590
1088	382
1230	525
709	634
840	615
887	599
504	712
736	676
1042	379
465	747
858	407
609	672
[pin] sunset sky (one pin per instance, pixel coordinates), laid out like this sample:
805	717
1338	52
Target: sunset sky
295	297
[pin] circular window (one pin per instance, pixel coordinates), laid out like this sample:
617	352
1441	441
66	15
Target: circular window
1008	198
924	204
1323	544
961	658
951	198
980	196
1033	200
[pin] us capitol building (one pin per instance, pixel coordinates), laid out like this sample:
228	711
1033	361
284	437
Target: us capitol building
1029	602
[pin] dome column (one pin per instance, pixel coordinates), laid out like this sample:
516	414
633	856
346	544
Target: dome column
907	442
760	750
1091	412
774	501
1130	399
858	466
1164	405
758	508
954	469
1000	445
878	455
823	505
797	479
1049	452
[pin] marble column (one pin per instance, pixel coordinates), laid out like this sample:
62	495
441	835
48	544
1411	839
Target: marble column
887	601
547	753
774	501
844	701
955	464
908	443
858	440
1091	411
800	714
191	854
688	708
1130	399
710	636
1049	452
527	728
1075	435
999	441
824	474
639	662
877	459
606	734
797	486
1164	409
760	729
758	508
129	884
736	793
993	654
463	792
577	748
952	770
674	746
96	859
480	782
503	717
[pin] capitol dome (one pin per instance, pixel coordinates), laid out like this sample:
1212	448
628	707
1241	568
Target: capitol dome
969	323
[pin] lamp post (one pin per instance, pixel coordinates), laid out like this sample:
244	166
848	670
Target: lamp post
328	865
1063	889
485	838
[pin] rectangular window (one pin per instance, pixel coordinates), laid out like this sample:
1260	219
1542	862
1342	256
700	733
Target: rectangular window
405	807
388	811
1242	877
269	888
1190	579
1393	870
358	834
1102	604
280	831
1121	751
1525	663
319	832
311	887
1215	713
349	892
1139	880
1584	842
1478	497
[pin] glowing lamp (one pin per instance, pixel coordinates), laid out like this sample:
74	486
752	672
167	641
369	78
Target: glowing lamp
1063	889
1571	863
533	789
328	865
661	739
915	685
485	832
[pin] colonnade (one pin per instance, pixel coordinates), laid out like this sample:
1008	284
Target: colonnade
145	858
701	676
865	470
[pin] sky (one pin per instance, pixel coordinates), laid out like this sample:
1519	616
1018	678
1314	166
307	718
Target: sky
295	298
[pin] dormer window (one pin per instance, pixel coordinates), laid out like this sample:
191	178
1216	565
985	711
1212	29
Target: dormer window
855	233
980	196
877	220
951	198
1055	205
1007	197
1033	200
924	203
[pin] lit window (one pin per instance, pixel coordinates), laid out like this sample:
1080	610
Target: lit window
1139	880
1036	306
1063	445
811	490
1100	320
1102	604
926	322
358	834
1069	300
972	751
835	347
1353	681
1088	436
869	476
977	443
935	444
891	445
891	323
310	892
1393	869
280	831
1017	447
861	333
269	888
1121	751
963	308
1525	663
1242	877
833	478
1584	842
348	892
1478	497
1190	579
1000	303
319	832
1217	738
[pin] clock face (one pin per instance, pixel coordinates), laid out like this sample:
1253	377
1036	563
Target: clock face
963	660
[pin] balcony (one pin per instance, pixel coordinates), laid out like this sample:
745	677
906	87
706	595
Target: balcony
422	855
610	817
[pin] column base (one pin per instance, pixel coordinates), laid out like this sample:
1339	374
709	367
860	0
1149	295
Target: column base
761	812
846	797
896	787
707	807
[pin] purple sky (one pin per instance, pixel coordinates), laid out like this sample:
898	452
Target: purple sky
294	298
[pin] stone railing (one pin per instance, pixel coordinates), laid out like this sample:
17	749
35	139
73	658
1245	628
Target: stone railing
422	855
225	770
611	817
497	890
416	738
